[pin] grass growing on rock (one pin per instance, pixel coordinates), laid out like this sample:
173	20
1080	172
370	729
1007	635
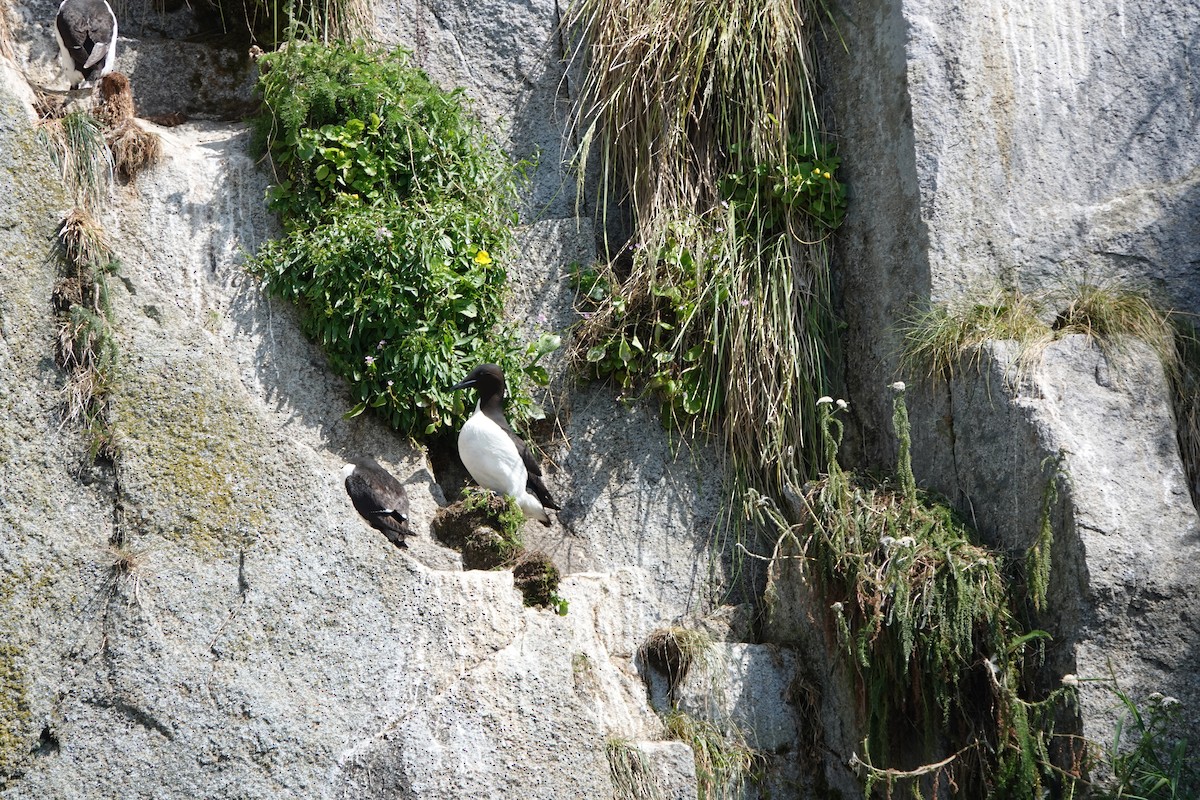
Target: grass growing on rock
724	761
947	338
397	210
702	117
632	774
926	619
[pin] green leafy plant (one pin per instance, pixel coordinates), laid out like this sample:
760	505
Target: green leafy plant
397	209
1146	760
924	614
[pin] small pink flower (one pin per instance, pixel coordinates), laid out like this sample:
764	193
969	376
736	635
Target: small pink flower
370	361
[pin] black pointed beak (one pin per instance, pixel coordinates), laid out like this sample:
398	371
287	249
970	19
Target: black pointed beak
467	384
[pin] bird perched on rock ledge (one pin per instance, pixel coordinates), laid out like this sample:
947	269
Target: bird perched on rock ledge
492	452
86	31
379	498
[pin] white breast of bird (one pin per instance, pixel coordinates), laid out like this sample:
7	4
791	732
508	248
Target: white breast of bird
491	457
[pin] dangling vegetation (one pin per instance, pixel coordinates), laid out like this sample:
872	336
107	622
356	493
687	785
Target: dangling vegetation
397	210
724	761
271	22
702	119
925	616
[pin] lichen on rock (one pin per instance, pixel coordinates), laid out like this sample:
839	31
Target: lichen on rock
193	455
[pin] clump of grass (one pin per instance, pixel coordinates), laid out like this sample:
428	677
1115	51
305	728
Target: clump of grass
272	23
701	116
134	149
1148	759
947	337
950	337
537	578
724	761
631	773
77	147
87	348
923	613
673	651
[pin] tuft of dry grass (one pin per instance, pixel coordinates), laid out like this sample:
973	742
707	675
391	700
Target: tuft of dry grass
948	337
134	149
114	103
78	150
679	100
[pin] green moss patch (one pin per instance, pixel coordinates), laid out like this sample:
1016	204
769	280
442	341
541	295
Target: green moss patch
196	461
537	579
14	711
483	528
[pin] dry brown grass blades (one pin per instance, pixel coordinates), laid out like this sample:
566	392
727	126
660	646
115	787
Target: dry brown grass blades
677	97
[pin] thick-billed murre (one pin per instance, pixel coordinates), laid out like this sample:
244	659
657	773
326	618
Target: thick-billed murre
492	452
86	31
379	498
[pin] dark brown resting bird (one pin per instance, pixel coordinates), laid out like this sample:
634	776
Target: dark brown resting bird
379	498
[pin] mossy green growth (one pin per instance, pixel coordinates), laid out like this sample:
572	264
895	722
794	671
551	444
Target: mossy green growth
14	711
485	527
195	460
397	211
926	617
537	578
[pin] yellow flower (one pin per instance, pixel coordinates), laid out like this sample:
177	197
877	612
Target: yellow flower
482	258
827	176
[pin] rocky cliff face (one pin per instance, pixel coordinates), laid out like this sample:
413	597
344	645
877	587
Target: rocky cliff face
256	639
1037	149
252	637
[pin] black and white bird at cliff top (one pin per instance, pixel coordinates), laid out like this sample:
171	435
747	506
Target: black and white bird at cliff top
492	452
379	498
86	31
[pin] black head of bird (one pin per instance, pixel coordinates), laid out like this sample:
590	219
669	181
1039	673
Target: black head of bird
487	379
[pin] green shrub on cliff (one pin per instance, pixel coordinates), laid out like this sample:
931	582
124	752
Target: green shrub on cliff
397	209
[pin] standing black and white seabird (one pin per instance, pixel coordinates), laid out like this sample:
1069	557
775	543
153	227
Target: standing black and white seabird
86	31
492	452
379	498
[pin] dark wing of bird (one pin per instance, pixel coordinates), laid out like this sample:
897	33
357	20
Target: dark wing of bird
533	482
86	21
382	502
